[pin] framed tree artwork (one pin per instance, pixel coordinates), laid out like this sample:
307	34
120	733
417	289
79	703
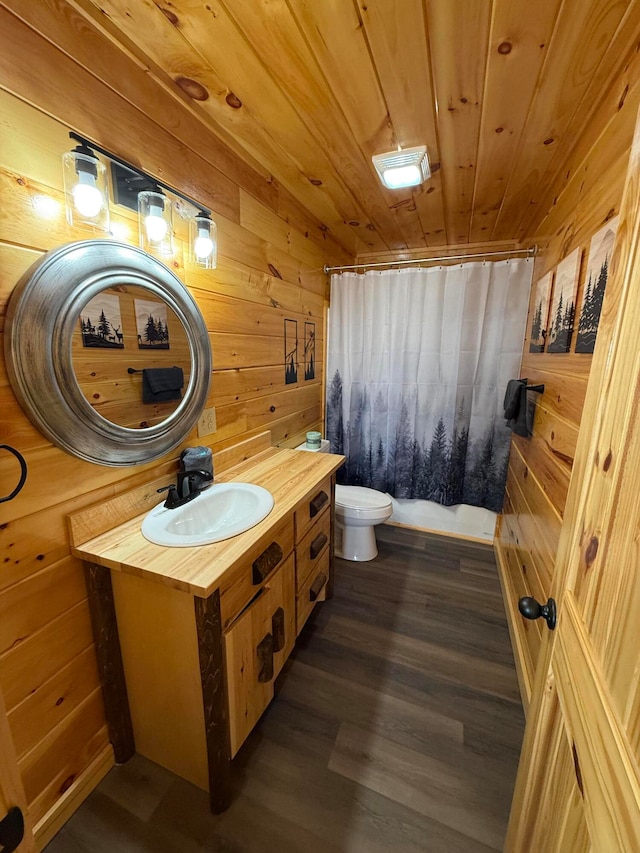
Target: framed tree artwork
309	350
595	283
540	313
101	322
563	307
290	352
151	322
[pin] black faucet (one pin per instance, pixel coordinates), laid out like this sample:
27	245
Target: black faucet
187	488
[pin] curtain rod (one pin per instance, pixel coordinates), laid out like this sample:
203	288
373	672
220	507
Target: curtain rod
531	251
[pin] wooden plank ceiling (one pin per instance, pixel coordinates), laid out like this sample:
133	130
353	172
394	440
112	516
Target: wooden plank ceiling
500	91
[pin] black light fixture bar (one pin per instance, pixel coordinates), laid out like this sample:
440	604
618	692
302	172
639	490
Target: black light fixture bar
151	183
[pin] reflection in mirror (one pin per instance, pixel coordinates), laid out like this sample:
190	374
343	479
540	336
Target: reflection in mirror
121	332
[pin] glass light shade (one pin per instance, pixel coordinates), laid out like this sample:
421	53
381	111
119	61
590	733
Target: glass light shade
203	239
155	222
405	168
86	189
403	176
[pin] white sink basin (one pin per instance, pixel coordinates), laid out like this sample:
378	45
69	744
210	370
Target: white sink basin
220	512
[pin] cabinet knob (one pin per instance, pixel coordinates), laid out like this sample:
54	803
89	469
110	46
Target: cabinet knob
317	545
317	503
277	629
264	650
532	609
266	563
316	586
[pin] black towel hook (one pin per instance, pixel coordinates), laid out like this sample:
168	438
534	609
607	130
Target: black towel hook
23	472
539	389
133	370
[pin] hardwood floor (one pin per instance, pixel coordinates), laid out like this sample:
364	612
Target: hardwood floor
396	726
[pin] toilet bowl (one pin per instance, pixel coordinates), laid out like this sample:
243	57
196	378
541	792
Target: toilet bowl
358	509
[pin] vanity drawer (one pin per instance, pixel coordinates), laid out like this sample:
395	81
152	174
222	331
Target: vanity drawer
310	552
243	582
256	647
307	514
312	591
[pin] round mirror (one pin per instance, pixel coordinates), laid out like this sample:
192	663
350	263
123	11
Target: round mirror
107	352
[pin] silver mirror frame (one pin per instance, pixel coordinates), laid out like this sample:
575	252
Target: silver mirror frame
42	315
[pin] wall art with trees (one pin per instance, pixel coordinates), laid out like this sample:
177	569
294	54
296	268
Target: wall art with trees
101	322
290	352
152	324
563	307
540	314
596	276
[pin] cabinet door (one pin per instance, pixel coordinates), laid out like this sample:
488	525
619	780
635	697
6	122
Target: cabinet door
256	647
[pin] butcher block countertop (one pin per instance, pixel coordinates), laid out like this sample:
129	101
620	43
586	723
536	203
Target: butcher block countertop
290	475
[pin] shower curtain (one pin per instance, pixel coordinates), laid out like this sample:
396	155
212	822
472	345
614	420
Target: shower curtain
418	362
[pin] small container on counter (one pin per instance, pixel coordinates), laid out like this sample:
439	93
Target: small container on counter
314	441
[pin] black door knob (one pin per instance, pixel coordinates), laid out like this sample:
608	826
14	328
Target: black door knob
11	830
532	609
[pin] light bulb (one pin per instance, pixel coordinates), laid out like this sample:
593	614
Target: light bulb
87	198
203	238
155	224
203	245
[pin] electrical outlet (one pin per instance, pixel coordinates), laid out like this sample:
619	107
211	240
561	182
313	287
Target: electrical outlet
207	422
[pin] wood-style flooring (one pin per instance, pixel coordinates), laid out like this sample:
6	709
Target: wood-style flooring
396	726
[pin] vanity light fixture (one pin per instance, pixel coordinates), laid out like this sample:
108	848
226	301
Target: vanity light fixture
203	240
85	187
155	222
408	167
133	188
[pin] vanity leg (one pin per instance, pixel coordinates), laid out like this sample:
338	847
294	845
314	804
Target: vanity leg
105	633
329	586
214	695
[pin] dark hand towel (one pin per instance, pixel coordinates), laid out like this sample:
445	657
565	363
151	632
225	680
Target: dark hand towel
515	406
512	398
160	384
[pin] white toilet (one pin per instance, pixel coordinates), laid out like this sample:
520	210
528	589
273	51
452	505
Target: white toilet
358	509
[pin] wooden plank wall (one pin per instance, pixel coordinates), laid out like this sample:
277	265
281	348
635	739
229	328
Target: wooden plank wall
453	252
587	193
271	254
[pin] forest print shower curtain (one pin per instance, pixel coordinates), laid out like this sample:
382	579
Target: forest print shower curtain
418	364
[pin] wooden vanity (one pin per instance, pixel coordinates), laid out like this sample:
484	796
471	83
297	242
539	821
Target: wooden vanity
190	640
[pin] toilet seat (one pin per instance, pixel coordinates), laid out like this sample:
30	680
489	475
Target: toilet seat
358	502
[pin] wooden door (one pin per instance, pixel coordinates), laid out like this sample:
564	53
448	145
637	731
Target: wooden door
11	790
578	785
